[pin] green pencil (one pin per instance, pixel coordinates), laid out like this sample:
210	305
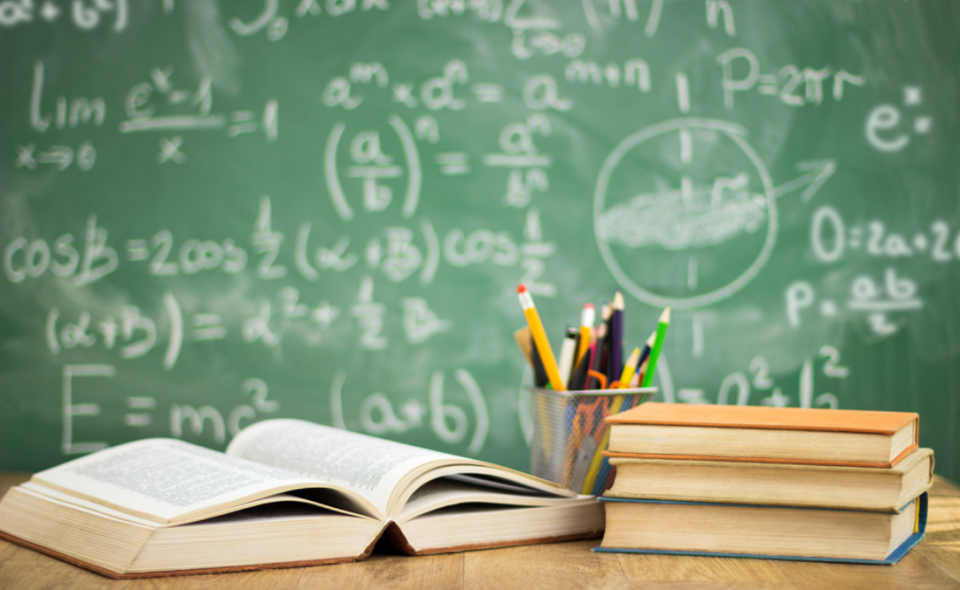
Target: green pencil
657	345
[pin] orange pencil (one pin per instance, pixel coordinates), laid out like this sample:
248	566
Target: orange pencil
540	338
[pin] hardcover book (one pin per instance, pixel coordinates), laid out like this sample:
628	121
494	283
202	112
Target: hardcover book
286	493
771	532
764	434
778	484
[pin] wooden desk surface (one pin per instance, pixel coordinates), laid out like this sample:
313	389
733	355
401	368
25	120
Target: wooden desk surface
934	563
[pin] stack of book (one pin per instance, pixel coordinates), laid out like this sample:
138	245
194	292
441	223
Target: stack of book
783	483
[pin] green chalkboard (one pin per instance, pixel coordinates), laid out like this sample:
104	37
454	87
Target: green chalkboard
214	213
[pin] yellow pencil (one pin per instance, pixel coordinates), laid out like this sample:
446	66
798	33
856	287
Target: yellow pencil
540	339
629	369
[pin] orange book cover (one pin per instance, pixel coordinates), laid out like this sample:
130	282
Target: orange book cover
764	417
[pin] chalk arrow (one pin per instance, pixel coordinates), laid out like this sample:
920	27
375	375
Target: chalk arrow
818	173
60	155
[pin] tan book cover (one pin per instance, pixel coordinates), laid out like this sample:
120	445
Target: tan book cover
765	417
764	435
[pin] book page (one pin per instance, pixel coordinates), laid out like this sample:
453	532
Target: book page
164	480
370	466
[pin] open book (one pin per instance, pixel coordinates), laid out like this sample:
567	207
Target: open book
286	493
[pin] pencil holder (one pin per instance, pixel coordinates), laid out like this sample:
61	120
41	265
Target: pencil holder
570	435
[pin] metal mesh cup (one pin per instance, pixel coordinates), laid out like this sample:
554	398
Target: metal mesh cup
570	435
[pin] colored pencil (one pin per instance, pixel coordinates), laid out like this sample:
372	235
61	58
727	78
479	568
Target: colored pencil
567	353
522	336
629	369
587	317
596	364
657	346
540	338
645	354
615	362
578	380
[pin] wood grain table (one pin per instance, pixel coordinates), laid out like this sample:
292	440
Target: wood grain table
934	563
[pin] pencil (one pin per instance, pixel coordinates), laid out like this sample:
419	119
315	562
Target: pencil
615	362
540	338
596	363
522	336
587	317
567	352
657	346
646	348
629	369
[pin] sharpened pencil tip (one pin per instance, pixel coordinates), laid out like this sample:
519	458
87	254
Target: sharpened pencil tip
618	301
521	288
665	316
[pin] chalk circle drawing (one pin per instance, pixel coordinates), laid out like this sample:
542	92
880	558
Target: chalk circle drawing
679	212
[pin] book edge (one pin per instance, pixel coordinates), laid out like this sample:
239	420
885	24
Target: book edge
168	573
886	465
891	559
627	417
742	505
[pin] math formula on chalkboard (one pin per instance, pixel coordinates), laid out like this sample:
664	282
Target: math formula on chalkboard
215	213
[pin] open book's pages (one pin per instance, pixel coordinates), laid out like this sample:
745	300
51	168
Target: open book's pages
289	493
386	473
650	526
777	484
764	434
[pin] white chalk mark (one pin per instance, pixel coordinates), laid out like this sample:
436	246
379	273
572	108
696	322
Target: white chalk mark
697	336
204	334
591	13
683	92
516	161
170	150
686	146
692	273
488	92
330	170
174	122
665	379
70	409
269	11
51	331
36	121
479	408
176	331
820	172
49	12
374	171
653	21
686	190
714	8
301	259
912	95
336	396
137	250
538	250
136	420
922	125
413	165
433	252
141	403
870	305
